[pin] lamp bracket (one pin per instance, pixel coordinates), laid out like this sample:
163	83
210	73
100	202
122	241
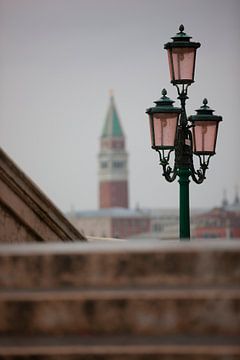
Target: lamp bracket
169	173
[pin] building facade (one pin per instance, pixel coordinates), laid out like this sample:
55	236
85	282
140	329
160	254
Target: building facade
222	222
113	162
119	223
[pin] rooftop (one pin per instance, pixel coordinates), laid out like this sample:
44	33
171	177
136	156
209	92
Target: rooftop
113	213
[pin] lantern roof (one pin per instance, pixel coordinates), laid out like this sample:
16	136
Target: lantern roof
164	104
181	39
181	35
205	113
205	109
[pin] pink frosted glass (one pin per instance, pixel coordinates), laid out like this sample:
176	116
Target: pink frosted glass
165	128
205	136
183	63
151	130
170	64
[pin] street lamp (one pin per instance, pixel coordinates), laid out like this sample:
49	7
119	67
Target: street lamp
173	132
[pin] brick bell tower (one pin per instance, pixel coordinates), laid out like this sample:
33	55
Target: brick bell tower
112	160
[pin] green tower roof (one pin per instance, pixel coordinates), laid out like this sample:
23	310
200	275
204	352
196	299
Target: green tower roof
112	126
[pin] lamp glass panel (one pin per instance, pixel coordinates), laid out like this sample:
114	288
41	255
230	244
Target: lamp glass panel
151	129
165	125
205	133
183	63
170	63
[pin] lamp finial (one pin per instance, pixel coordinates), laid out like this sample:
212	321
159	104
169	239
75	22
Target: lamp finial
181	28
205	101
164	92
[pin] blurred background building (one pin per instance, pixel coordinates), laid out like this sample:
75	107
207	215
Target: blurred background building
221	222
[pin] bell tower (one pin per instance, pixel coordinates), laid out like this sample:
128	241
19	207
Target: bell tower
112	162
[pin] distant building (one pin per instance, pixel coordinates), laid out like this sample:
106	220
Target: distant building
112	162
112	223
235	206
223	222
165	223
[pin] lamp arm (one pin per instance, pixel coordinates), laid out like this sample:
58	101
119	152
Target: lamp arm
169	173
198	176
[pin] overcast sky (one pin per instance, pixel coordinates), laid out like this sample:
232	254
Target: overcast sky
58	60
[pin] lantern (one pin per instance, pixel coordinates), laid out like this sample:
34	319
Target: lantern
163	120
205	129
182	58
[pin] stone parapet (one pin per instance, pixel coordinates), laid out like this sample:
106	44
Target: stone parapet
121	263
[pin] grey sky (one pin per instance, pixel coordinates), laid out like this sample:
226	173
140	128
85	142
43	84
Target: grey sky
58	60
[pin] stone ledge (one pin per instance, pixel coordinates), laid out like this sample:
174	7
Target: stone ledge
118	293
108	346
118	247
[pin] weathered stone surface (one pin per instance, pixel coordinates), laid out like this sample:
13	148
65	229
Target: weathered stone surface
123	311
26	214
123	300
125	264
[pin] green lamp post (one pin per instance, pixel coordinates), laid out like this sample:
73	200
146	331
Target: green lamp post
172	132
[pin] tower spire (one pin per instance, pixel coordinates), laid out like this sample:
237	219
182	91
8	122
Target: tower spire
224	200
112	125
236	199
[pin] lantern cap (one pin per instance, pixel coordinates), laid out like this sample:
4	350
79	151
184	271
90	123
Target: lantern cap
205	113
181	39
181	35
164	104
205	109
164	100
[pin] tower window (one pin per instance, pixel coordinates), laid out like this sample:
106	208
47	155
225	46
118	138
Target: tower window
118	164
104	164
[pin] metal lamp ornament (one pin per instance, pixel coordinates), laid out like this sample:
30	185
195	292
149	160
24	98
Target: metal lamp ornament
173	132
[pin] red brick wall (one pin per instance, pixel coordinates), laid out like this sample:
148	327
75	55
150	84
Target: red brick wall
217	232
209	232
113	194
125	227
